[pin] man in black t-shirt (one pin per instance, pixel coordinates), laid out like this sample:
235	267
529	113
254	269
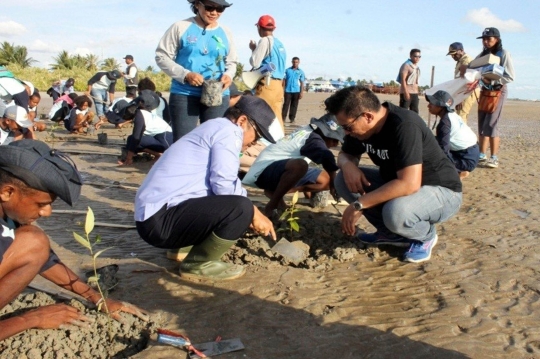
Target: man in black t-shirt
414	185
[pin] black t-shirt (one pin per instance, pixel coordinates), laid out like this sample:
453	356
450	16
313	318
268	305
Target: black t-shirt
405	140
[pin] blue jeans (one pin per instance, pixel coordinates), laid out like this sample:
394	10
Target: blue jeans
100	98
187	110
414	216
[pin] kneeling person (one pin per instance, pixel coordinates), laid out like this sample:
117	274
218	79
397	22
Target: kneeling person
284	167
151	134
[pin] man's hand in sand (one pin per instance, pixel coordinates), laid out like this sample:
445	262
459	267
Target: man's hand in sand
116	307
349	220
262	225
53	316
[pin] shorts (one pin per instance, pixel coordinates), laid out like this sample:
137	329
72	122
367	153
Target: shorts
270	177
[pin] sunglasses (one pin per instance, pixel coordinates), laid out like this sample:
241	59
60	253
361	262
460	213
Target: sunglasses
417	56
211	8
348	127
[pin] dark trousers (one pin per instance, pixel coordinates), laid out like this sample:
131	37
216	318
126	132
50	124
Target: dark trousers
158	143
187	110
291	99
191	221
411	104
467	159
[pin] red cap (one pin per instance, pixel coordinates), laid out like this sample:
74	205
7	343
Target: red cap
266	22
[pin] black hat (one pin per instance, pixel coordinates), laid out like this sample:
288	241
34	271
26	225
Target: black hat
259	111
149	99
328	126
128	57
42	169
115	74
218	2
442	99
454	47
490	31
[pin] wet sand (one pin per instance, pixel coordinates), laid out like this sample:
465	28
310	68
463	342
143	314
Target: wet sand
477	297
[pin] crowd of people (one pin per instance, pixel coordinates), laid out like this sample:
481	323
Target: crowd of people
192	202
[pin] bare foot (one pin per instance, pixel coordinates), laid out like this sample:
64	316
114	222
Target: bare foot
464	174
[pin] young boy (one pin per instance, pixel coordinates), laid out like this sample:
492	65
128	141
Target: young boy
14	125
283	167
31	178
456	139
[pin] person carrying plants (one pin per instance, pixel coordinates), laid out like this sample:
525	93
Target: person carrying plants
193	197
32	176
191	52
283	167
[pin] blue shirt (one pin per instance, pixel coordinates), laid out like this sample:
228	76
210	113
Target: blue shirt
201	53
277	56
293	78
202	163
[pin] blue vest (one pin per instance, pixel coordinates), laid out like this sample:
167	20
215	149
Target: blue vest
277	57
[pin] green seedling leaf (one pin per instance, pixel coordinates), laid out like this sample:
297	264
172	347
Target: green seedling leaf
283	215
101	251
98	238
89	225
295	226
281	229
294	198
93	279
83	241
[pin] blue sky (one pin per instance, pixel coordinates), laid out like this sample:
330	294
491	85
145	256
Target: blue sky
334	39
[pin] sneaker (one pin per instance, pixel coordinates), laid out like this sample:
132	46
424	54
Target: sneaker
319	199
482	157
493	162
420	251
379	238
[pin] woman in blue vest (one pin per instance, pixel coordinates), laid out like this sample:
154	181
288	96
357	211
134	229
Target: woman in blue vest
190	52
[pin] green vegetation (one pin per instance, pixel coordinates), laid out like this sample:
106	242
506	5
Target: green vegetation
10	54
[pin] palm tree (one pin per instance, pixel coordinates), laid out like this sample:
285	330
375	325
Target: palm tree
12	54
110	64
63	61
150	69
91	62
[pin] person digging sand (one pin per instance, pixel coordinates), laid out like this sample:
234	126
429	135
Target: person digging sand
32	176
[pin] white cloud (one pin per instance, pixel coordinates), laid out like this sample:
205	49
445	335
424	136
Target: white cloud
83	51
11	28
485	18
41	46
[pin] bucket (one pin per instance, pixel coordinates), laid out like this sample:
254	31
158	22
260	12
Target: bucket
102	138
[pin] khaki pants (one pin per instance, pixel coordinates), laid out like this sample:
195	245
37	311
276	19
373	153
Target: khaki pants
273	95
467	105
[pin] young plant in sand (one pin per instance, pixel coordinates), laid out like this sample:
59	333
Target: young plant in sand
87	243
290	215
51	137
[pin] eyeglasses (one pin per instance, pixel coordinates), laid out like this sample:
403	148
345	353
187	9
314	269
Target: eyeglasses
211	8
257	133
417	56
348	127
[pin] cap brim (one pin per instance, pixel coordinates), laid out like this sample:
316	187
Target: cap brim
265	133
24	123
451	52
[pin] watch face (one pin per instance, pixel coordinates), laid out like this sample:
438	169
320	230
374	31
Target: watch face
357	205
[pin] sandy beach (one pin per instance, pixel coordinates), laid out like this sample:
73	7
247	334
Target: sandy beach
478	297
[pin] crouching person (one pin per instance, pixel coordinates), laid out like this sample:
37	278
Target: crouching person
31	178
193	197
151	134
284	167
80	116
414	185
455	138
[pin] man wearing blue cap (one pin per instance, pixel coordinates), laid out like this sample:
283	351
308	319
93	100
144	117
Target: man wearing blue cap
32	176
457	52
193	197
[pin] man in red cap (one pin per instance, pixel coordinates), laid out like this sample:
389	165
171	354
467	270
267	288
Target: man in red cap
269	50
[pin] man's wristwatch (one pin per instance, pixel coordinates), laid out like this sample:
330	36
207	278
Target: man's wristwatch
358	205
